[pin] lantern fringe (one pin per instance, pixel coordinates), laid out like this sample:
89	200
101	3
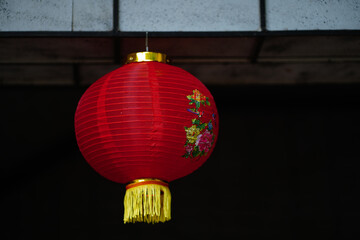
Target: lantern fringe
150	203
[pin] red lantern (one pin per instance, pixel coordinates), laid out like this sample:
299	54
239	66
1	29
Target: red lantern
145	124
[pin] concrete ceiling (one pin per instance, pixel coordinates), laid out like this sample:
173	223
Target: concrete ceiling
214	60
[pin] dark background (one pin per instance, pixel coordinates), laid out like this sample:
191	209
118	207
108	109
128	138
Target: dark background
285	165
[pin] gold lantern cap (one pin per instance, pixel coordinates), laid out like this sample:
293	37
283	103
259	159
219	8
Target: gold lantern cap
146	57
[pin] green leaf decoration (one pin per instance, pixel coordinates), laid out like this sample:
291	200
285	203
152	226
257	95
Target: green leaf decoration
196	153
207	102
202	126
196	121
197	104
186	155
188	97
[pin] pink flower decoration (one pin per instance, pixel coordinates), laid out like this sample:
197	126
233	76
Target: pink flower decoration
188	148
203	141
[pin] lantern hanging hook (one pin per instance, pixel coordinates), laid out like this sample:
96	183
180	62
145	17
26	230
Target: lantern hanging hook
147	41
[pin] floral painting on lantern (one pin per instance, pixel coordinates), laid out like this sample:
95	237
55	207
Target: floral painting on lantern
199	136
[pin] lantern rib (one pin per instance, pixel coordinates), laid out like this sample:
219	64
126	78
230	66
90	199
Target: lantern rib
80	136
163	92
93	156
178	71
127	109
122	146
138	115
169	174
132	84
148	91
133	162
114	83
128	103
89	95
122	122
125	103
134	139
164	75
119	121
128	128
119	109
163	84
98	159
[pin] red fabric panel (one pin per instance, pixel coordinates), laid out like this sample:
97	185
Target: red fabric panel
130	123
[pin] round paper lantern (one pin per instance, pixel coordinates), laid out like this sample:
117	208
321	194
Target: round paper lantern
145	124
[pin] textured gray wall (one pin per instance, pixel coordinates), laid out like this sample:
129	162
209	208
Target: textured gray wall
177	15
93	15
189	15
54	15
32	15
313	14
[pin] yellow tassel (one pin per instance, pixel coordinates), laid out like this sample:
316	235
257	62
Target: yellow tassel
147	200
